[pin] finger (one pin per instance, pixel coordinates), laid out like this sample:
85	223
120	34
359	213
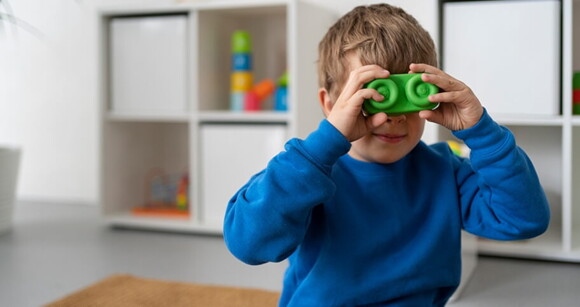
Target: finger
432	116
362	75
353	105
365	93
445	83
425	68
365	74
444	97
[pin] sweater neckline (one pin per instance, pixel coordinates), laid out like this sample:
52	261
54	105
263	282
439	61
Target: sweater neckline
388	169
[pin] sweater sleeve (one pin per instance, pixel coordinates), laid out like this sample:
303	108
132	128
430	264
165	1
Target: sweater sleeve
268	217
501	196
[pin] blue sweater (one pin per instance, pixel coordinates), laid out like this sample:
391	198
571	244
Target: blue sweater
360	233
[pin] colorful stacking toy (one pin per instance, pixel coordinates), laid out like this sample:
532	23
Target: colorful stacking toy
259	92
576	93
241	78
281	96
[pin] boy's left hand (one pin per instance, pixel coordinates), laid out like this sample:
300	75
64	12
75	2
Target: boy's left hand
459	109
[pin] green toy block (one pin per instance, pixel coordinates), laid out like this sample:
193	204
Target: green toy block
241	42
283	81
576	80
576	109
404	93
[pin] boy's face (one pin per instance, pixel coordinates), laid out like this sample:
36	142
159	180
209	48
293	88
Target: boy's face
391	141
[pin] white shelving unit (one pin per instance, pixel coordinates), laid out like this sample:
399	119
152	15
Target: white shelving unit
285	35
551	140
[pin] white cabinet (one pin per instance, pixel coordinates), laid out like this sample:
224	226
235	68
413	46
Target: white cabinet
165	96
518	57
148	57
501	49
167	107
231	154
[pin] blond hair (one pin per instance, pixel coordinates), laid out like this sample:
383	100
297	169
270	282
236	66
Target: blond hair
379	34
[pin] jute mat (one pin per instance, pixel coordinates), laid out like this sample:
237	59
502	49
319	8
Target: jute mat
130	291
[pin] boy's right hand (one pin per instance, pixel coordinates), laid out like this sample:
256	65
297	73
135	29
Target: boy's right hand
346	113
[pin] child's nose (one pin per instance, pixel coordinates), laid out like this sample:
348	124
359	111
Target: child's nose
397	119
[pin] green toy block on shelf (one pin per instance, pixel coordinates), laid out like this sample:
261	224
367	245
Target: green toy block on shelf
576	80
241	42
403	93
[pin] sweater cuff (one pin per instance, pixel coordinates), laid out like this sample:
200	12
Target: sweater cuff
326	144
485	134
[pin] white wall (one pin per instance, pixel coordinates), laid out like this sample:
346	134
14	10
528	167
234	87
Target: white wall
47	99
48	91
425	11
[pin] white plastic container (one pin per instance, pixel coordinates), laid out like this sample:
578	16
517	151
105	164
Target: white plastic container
232	154
9	164
149	65
508	52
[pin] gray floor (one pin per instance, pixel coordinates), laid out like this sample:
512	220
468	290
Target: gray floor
54	250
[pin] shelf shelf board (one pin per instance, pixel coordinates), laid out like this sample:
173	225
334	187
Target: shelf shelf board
576	120
164	224
156	8
224	5
545	247
243	117
529	251
148	117
530	120
148	8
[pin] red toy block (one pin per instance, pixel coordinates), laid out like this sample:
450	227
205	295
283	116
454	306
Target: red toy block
576	95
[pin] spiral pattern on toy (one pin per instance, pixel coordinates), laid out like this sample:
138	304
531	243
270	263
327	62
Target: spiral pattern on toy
388	89
418	91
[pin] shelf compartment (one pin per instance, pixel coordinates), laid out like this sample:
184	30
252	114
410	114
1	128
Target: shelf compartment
131	152
575	217
231	154
147	64
466	30
575	33
548	164
268	29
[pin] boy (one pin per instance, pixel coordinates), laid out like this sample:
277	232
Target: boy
366	212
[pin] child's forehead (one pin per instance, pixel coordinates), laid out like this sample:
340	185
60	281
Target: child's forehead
353	61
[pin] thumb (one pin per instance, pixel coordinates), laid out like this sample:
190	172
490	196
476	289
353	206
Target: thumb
432	116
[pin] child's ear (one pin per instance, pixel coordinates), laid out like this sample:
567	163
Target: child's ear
325	102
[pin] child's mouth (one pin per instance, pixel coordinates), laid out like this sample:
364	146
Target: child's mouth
391	138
